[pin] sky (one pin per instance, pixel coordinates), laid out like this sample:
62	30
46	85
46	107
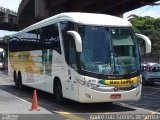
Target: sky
148	10
153	11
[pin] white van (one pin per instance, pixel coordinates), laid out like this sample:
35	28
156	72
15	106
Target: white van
150	73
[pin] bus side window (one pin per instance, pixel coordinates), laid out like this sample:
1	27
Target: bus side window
49	38
72	53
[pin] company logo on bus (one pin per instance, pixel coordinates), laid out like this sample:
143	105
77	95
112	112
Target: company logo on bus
126	82
122	82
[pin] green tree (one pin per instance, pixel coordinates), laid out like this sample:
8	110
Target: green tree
148	26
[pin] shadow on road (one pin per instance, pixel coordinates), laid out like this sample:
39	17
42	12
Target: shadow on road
48	102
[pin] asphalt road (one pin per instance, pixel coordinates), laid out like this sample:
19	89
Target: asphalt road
150	98
149	103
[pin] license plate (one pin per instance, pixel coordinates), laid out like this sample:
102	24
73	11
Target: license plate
115	96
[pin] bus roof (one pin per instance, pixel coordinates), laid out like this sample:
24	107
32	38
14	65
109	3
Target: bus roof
82	18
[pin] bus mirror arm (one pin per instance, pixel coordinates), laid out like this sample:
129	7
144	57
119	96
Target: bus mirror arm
147	42
78	40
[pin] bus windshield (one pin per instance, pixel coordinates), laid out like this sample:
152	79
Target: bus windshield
108	50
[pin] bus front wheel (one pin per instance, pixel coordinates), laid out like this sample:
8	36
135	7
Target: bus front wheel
58	92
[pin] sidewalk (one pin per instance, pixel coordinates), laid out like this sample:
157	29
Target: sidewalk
4	78
10	103
12	107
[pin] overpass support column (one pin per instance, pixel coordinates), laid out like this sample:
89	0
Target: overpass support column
6	17
40	9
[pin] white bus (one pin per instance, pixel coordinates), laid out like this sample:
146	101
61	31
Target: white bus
79	56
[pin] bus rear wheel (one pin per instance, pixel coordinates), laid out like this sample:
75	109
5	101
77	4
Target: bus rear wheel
20	85
15	80
58	92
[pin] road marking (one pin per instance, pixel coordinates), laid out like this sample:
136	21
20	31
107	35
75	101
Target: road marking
23	100
69	116
134	107
152	113
150	94
150	87
155	92
151	97
146	105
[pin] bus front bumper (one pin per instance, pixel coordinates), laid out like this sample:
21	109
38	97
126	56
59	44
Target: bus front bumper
87	95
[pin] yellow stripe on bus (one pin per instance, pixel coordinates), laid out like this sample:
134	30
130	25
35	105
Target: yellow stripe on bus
123	82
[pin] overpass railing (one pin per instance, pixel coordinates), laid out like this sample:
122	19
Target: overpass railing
5	10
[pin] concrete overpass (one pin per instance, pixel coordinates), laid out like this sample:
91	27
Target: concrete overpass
8	19
31	11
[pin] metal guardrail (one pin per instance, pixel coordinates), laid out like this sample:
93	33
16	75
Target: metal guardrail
5	10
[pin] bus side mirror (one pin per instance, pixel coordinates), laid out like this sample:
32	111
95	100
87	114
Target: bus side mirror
147	42
78	40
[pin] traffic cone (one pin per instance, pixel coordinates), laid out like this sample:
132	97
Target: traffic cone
34	102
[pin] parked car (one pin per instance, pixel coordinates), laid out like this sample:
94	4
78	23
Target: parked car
150	73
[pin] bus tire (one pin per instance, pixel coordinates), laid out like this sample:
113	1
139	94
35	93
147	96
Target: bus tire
58	92
20	85
15	79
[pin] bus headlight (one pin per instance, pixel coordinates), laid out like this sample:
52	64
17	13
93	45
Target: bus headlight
139	79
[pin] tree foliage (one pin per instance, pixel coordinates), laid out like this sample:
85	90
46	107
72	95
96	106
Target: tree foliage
148	26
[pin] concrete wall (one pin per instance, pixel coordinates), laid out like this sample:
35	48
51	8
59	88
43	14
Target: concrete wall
7	14
40	9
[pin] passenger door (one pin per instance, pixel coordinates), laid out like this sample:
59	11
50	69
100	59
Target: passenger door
72	73
70	56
